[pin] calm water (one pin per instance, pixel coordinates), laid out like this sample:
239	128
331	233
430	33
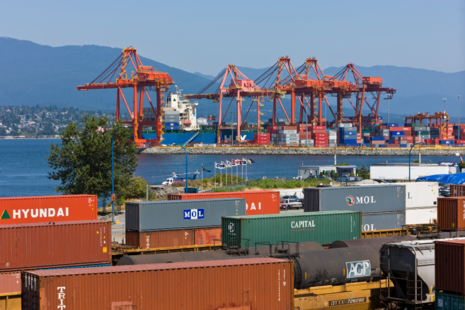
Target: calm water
24	168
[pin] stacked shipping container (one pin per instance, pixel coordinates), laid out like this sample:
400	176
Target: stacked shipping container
47	245
323	227
36	232
178	222
384	207
22	210
257	202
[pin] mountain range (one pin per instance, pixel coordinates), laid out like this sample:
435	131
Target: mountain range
34	74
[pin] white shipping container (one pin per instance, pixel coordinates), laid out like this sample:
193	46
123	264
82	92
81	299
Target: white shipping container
401	172
421	215
421	194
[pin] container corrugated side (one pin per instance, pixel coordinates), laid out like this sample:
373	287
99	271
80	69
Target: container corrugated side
449	301
457	190
421	194
427	215
160	239
324	227
383	220
40	209
181	214
44	245
451	213
208	236
450	266
254	283
10	282
257	202
367	199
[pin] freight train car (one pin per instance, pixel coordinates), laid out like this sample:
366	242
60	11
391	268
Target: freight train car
256	283
410	266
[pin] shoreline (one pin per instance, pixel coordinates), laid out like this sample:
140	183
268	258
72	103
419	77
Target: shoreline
300	151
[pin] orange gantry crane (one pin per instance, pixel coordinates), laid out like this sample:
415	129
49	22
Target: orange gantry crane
240	87
143	80
437	120
365	85
308	84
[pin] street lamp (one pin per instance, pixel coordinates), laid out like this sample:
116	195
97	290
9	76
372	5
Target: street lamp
409	153
186	164
113	176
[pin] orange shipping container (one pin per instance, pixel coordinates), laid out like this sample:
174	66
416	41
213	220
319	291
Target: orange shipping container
208	236
451	213
160	239
257	202
253	284
10	282
449	256
40	209
47	245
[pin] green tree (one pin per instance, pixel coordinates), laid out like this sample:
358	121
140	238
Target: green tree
364	169
82	161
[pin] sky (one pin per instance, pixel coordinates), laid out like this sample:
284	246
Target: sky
205	36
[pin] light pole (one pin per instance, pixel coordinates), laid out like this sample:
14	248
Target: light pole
232	126
458	120
306	130
409	153
187	174
113	176
444	103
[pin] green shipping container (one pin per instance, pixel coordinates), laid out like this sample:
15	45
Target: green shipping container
424	132
324	227
447	301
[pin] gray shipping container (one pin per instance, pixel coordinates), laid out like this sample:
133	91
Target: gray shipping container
383	220
368	199
181	214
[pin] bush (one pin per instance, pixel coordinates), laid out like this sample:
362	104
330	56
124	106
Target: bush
137	189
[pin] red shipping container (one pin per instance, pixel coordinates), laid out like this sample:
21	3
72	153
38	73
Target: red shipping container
400	129
10	282
316	128
40	209
322	135
160	239
44	245
449	256
257	202
451	213
208	236
252	284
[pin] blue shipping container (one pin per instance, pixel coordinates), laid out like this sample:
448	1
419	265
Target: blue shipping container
377	138
397	133
389	125
349	137
183	137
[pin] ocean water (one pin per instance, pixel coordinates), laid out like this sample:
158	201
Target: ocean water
24	168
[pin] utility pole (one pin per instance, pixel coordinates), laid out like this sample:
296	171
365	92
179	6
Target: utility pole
232	127
458	120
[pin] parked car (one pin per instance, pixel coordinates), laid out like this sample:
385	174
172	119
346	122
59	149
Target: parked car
290	202
348	179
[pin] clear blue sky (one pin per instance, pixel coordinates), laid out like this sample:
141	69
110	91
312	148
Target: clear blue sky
205	36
